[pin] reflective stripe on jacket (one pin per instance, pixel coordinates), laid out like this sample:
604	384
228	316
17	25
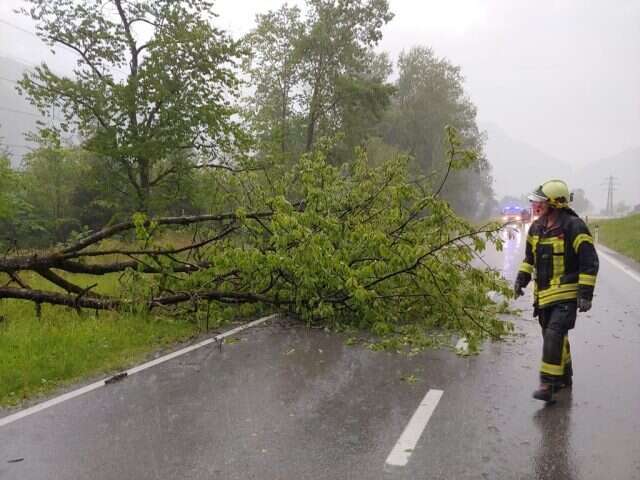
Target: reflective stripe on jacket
562	260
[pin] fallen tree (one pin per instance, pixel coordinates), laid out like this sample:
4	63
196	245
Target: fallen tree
352	246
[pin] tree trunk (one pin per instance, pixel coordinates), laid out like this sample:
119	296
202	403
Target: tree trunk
144	193
284	123
313	110
311	126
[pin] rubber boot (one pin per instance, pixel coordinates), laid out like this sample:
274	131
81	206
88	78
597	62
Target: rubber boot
544	392
567	378
567	382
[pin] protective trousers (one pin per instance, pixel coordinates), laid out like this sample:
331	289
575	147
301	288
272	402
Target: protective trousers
556	321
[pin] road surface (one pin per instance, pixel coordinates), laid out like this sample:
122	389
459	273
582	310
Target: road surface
285	402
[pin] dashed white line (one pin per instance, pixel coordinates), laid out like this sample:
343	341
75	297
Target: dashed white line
93	386
403	448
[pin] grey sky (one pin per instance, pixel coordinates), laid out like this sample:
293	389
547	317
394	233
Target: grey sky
563	76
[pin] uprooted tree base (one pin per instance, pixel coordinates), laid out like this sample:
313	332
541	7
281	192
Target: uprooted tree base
358	246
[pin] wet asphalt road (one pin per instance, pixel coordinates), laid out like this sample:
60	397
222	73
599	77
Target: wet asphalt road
286	402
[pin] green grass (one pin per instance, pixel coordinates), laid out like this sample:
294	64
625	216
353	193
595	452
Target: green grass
621	234
39	355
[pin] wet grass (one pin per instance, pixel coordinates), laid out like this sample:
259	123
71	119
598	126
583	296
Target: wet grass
39	355
621	235
63	346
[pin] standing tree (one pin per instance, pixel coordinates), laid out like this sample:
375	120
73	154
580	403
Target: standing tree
18	219
50	176
430	95
335	56
581	203
6	181
274	70
153	84
315	74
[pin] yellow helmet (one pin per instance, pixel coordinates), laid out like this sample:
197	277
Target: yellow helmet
555	192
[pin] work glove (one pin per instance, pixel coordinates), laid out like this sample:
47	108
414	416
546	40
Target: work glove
584	304
517	289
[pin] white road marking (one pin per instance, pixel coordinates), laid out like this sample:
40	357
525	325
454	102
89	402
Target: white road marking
618	264
401	452
94	386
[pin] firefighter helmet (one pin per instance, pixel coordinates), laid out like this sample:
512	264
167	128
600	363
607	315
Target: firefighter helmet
555	192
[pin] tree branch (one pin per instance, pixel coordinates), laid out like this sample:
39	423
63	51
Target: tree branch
183	220
83	54
39	296
226	167
16	278
161	176
451	154
105	269
61	282
170	251
418	262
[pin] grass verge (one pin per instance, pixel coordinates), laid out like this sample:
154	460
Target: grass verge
40	355
621	235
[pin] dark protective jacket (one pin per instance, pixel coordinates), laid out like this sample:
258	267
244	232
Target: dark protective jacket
563	259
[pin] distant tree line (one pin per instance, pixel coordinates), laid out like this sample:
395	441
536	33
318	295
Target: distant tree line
153	140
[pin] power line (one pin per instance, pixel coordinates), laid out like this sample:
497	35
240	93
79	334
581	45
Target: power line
34	35
58	44
18	28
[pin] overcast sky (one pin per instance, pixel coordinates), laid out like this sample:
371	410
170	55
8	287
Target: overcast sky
563	76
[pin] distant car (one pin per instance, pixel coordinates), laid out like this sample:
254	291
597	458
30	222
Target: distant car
515	214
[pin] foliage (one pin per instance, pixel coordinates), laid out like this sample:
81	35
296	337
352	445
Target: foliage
342	213
315	75
49	177
430	96
18	217
172	102
58	191
581	204
6	182
352	247
273	68
367	248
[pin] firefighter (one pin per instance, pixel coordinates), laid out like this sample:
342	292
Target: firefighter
562	259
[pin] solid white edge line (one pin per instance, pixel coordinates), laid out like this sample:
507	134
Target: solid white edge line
403	448
618	264
93	386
